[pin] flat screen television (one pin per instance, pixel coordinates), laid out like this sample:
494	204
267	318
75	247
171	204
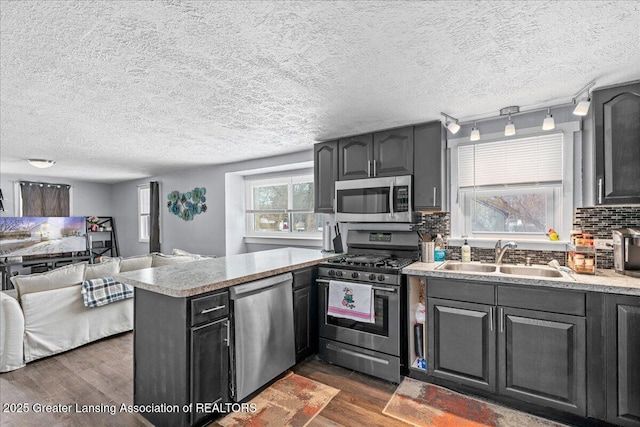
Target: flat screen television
28	236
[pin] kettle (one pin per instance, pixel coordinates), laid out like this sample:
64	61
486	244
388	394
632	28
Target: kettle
626	251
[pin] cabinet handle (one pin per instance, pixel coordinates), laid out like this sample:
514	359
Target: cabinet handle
600	191
491	319
501	319
209	310
374	169
226	340
435	200
369	168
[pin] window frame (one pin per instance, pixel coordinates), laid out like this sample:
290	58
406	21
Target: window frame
563	196
141	188
290	179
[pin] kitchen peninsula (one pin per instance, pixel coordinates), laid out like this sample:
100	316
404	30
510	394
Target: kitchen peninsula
183	330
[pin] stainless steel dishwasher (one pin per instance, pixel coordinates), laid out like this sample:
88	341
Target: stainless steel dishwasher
263	337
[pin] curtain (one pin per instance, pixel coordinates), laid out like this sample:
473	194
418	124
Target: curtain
154	217
43	199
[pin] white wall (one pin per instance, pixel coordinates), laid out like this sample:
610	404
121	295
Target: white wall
206	234
88	198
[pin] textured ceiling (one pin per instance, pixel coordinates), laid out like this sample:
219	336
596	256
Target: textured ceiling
118	90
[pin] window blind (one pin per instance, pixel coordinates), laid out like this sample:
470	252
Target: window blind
536	159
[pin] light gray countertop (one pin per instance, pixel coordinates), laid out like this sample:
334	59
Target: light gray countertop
197	277
606	281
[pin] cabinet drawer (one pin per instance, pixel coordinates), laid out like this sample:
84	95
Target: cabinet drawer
210	307
304	277
550	300
460	290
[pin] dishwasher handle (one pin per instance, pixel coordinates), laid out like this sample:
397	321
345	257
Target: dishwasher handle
246	289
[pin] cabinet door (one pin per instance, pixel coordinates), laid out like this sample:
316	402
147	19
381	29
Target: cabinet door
542	358
356	157
393	152
209	365
427	169
617	134
325	156
462	342
623	359
302	321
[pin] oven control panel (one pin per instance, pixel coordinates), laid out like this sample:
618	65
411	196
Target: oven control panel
359	276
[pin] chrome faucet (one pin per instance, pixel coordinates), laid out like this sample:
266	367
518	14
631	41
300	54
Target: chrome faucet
500	250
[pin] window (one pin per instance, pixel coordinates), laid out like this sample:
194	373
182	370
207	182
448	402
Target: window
515	188
281	207
144	212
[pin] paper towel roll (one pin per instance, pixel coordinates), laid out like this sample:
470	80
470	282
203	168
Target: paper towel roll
326	237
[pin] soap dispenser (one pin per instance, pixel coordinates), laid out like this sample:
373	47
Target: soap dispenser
466	251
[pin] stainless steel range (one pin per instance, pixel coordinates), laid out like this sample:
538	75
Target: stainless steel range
375	258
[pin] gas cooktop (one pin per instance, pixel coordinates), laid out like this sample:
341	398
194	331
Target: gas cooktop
371	261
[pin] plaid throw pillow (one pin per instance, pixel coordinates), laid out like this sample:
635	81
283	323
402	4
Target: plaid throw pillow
101	291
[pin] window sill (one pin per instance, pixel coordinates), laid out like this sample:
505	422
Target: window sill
285	240
527	244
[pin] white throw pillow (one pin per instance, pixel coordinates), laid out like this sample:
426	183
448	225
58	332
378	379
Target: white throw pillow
103	269
160	260
69	275
135	263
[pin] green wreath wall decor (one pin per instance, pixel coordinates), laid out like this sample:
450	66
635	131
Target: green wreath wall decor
189	204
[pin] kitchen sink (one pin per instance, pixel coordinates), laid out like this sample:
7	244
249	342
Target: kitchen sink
530	271
460	266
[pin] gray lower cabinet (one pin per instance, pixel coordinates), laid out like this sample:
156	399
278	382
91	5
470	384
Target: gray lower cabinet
209	366
462	343
521	342
542	358
180	355
305	312
623	359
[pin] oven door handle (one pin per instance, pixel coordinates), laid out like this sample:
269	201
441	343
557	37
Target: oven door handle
375	288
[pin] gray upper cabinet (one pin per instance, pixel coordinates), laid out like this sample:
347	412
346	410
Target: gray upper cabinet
386	153
325	172
427	170
356	157
617	144
393	152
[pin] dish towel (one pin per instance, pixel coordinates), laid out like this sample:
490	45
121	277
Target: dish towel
351	301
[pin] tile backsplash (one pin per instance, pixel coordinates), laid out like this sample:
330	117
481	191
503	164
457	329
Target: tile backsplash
598	221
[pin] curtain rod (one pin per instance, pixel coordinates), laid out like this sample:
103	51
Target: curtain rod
41	184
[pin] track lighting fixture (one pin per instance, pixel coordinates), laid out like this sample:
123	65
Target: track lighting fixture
548	123
451	123
582	107
475	133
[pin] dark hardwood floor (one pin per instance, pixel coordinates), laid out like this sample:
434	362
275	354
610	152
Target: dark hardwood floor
101	374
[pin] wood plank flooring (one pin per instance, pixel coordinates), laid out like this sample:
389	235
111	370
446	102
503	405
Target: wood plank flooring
101	374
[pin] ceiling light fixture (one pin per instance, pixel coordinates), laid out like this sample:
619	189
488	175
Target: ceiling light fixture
548	123
475	133
582	108
41	163
452	124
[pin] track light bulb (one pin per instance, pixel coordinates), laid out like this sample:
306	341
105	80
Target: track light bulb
475	133
453	127
582	108
510	128
548	123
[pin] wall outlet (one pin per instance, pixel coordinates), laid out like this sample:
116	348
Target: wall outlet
604	244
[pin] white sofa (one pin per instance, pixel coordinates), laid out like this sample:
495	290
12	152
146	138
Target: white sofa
47	315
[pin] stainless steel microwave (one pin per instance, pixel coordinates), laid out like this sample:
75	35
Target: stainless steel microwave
374	200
